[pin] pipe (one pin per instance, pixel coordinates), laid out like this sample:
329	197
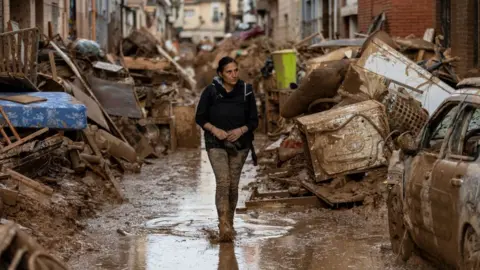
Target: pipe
330	26
335	18
94	20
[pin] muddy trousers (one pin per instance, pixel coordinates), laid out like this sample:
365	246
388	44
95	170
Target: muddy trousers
227	169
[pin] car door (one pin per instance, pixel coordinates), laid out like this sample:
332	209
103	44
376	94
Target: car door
450	179
421	174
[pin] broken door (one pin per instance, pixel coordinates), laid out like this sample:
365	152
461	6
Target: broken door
424	167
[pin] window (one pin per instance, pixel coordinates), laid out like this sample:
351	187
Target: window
189	13
55	18
466	136
438	128
216	14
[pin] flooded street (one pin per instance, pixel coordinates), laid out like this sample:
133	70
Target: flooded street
170	218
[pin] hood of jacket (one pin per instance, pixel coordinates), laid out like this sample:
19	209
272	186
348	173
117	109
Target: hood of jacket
219	86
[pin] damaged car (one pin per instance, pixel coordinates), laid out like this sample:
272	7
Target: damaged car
434	185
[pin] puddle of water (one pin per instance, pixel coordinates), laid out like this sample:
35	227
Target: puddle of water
177	229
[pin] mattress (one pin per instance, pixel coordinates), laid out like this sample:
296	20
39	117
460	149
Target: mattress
59	111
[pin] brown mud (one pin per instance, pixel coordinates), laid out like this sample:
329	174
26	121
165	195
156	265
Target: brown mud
170	223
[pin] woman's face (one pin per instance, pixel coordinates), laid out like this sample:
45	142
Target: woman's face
230	74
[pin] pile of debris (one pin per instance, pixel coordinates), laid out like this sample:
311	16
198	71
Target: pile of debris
337	130
20	251
249	54
75	120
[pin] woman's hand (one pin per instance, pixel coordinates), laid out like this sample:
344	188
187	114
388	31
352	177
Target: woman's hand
233	135
219	133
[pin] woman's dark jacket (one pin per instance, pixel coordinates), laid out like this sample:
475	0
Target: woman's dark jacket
227	111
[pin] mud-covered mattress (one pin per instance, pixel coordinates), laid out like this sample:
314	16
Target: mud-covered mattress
59	111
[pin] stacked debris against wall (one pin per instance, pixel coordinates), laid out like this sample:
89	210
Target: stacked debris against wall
75	120
336	131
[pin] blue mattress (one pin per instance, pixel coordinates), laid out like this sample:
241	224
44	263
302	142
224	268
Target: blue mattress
60	111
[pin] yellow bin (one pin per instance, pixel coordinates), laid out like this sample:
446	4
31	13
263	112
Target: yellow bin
285	64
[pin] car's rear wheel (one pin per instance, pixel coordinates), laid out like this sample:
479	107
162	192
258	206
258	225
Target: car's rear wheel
471	249
400	239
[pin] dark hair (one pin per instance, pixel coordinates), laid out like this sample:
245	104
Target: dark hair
223	62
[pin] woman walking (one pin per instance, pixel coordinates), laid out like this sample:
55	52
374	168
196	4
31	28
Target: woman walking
227	113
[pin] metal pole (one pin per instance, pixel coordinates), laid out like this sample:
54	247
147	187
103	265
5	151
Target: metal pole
121	18
94	18
335	19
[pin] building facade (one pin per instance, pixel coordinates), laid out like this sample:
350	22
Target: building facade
281	19
457	20
203	19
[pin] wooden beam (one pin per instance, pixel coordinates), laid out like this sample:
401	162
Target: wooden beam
29	182
90	92
50	31
7	120
191	81
23	140
53	66
307	39
143	63
301	201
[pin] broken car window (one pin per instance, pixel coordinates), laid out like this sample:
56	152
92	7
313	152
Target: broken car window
472	136
439	128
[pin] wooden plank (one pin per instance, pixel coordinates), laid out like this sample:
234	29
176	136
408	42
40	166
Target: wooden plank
114	181
79	76
143	63
2	56
428	36
191	81
7	120
91	158
23	99
34	56
318	192
17	258
53	66
11	46
300	201
323	194
279	193
50	30
19	39
29	182
307	39
88	134
26	43
23	140
6	53
2	131
77	165
9	197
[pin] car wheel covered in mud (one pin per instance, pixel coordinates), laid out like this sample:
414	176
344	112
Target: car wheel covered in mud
399	236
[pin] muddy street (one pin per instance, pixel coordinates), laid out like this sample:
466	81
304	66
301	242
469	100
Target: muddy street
170	220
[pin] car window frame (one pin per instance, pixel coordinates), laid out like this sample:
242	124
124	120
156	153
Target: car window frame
462	127
426	133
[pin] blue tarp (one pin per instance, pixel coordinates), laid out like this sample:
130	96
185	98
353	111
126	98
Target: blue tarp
60	111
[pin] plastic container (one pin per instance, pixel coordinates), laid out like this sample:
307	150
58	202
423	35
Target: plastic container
285	64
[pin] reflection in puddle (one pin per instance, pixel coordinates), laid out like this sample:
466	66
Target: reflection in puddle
182	214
